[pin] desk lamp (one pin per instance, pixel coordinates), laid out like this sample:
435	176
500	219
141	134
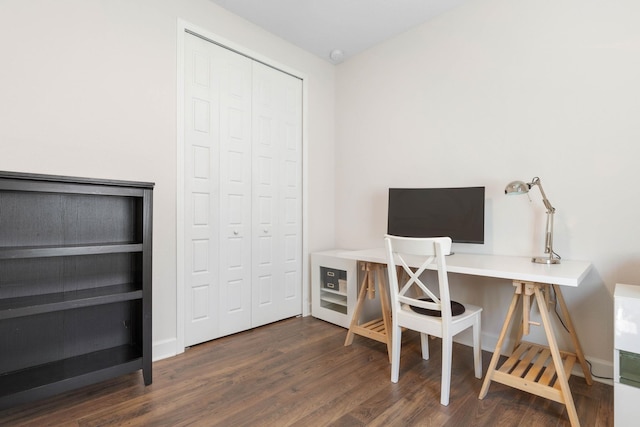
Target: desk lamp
519	187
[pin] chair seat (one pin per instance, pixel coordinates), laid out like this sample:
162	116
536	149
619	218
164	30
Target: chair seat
456	308
433	325
469	310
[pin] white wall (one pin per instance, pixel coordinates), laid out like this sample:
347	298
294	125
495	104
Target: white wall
88	88
499	90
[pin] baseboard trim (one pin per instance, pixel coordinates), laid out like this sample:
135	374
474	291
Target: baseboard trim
165	349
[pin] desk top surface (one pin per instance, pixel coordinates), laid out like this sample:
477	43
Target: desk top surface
567	273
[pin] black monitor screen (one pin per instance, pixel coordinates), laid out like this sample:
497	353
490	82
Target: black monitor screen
437	212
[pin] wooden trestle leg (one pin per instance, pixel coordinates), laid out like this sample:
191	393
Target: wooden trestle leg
378	329
540	370
573	335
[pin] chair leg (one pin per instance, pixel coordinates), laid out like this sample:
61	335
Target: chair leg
424	343
396	339
477	349
447	343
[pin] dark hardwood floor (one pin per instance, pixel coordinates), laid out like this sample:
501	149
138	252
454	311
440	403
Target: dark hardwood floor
297	372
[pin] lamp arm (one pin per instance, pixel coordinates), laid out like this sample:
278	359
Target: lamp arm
548	238
547	203
548	241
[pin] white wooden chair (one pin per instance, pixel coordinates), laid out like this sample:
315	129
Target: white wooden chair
402	252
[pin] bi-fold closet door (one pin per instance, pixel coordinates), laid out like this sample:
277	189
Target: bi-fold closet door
243	192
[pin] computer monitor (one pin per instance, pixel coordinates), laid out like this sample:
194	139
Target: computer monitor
437	212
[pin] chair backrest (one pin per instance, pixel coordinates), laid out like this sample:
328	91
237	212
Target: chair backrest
422	252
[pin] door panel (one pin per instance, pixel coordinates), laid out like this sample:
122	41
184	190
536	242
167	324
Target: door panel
217	182
277	142
235	193
201	192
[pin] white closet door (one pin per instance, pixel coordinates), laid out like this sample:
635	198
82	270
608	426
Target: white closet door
217	190
202	98
235	193
277	195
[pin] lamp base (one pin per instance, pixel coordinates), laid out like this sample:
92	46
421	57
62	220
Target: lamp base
545	260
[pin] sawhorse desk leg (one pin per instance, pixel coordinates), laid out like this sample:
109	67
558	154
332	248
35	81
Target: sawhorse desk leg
532	367
378	329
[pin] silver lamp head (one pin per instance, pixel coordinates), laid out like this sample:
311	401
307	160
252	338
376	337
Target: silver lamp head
517	187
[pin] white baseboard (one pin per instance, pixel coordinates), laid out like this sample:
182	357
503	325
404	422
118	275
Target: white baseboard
165	349
599	367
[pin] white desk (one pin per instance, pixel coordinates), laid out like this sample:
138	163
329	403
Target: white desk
568	273
536	369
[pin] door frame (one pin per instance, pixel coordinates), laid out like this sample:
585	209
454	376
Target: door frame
182	27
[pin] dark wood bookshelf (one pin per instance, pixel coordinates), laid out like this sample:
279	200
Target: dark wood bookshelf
75	283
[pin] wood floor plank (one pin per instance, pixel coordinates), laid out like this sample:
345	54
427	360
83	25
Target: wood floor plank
298	373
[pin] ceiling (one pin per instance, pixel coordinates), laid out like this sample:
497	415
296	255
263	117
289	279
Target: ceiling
344	27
